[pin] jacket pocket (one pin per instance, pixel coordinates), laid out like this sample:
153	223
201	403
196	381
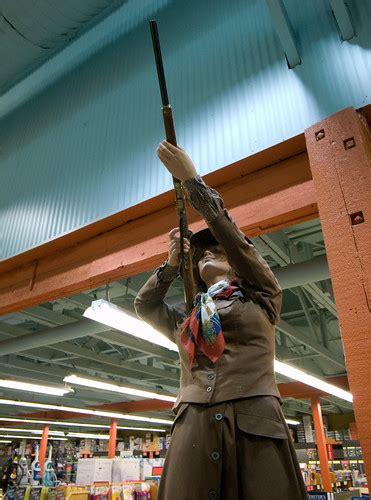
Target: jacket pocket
261	426
179	414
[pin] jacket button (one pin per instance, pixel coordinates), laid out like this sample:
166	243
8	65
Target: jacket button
219	416
212	495
215	455
211	376
209	389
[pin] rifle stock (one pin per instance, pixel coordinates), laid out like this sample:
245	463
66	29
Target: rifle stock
167	114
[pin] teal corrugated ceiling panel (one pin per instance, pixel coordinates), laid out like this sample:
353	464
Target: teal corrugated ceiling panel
79	135
31	32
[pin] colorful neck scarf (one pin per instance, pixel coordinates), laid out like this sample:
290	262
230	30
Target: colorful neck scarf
202	329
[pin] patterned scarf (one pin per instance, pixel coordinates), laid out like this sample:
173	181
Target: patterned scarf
202	329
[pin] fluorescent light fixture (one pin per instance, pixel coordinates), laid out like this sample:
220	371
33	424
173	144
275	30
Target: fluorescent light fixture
289	421
111	315
146	429
41	389
31	431
77	424
108	386
84	411
16	436
54	422
305	378
5	440
87	435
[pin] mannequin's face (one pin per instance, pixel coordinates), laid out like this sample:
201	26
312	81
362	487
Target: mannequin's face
214	266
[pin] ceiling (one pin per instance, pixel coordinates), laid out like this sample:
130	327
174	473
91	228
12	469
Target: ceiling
307	336
33	31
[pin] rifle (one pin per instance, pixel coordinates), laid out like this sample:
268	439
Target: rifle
167	114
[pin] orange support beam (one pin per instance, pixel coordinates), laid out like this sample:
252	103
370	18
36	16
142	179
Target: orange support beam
321	445
339	151
298	390
43	448
135	240
112	438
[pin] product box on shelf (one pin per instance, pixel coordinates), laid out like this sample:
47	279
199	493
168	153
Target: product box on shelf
91	470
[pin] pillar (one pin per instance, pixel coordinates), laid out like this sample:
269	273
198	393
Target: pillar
43	448
112	438
321	445
339	150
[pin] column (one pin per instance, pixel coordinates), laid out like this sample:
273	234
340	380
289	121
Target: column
339	150
321	445
43	448
112	438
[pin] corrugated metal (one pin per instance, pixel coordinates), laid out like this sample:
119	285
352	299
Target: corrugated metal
31	31
85	147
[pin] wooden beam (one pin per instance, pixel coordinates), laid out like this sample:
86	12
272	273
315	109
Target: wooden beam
298	390
265	200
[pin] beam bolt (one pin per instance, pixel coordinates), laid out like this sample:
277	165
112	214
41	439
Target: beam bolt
357	218
320	135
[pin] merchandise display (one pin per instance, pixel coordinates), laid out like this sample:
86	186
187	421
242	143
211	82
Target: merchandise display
345	463
65	475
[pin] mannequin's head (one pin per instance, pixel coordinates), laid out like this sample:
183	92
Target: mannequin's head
210	263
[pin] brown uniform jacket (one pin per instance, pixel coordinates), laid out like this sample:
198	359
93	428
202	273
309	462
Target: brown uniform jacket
245	368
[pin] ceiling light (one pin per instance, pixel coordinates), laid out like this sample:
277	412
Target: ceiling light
292	422
111	315
305	378
41	389
77	424
5	440
54	422
146	429
84	411
87	435
107	386
15	436
31	431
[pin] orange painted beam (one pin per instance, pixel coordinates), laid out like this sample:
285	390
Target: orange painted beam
262	201
339	150
43	448
321	445
298	390
112	438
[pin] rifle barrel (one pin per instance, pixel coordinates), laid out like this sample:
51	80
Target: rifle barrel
159	63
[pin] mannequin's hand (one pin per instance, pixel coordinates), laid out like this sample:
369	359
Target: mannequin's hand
176	161
174	247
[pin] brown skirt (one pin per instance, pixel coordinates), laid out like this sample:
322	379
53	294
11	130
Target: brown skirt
236	450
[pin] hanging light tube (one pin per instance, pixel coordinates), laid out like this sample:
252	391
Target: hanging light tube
290	421
77	424
40	389
16	436
31	431
85	411
305	378
111	315
88	435
108	386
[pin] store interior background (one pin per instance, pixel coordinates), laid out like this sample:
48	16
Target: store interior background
308	312
80	120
